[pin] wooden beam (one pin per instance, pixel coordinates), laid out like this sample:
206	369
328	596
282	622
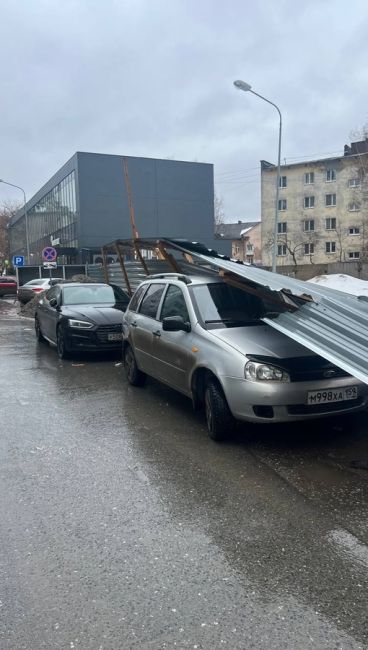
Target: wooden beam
169	258
104	265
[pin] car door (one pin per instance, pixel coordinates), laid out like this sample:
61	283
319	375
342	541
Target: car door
48	315
143	325
172	355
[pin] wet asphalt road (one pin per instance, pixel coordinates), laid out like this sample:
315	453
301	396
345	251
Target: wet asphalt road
123	526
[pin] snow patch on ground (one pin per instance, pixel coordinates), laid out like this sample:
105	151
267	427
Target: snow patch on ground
342	282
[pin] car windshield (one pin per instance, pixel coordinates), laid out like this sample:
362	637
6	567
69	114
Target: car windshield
221	305
88	295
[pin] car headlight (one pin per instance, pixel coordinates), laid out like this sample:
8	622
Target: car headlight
80	324
255	371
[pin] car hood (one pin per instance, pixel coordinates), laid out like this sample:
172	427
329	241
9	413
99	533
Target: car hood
261	340
99	315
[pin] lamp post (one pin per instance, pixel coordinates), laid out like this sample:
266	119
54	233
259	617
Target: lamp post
25	213
242	85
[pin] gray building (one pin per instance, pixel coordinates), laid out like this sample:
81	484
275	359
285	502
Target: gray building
85	205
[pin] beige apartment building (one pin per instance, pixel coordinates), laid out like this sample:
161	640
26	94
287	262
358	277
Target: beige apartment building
322	209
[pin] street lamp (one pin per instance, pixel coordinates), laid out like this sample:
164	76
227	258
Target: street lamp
25	213
242	85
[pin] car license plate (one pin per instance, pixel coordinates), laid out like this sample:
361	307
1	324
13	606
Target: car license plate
333	395
115	336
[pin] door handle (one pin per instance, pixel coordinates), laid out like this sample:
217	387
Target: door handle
157	333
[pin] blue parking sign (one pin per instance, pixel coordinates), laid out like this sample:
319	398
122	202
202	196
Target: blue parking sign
18	260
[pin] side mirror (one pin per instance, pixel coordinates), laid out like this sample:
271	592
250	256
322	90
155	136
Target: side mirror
53	302
175	324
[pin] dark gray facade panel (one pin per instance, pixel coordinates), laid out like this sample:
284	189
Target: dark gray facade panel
170	198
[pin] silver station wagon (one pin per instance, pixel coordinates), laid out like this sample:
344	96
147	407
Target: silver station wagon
205	338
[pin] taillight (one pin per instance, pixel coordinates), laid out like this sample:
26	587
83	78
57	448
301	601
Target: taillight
37	289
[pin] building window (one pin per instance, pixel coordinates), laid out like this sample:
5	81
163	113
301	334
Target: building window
282	227
282	181
249	248
282	204
354	231
309	178
308	225
330	247
281	250
54	215
354	207
309	201
330	200
354	255
354	182
308	249
331	223
330	175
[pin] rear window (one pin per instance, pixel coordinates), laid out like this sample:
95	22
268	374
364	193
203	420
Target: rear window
151	300
32	283
136	297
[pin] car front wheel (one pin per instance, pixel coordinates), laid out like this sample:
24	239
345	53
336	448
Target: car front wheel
60	344
134	376
219	419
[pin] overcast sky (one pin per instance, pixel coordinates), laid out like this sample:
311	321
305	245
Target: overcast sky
154	78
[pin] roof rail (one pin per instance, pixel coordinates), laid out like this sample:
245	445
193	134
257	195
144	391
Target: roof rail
177	276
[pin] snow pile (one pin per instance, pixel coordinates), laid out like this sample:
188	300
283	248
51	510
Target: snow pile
342	282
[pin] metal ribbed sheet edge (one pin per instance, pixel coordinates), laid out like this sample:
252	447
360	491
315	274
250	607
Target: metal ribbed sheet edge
336	332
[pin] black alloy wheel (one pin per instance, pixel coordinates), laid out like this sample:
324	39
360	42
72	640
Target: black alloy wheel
60	343
39	336
134	376
219	419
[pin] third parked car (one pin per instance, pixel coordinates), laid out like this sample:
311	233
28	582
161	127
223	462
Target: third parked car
28	290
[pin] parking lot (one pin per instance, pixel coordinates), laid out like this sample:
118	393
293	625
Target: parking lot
124	526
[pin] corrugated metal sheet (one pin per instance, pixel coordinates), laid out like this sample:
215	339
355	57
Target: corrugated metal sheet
334	324
330	323
335	330
274	281
136	273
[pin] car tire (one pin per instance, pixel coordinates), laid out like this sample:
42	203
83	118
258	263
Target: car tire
60	344
39	336
219	419
134	376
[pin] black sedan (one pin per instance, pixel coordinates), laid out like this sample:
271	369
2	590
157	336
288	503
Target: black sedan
81	317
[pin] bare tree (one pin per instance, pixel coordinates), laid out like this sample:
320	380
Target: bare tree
219	212
359	152
7	210
293	246
359	134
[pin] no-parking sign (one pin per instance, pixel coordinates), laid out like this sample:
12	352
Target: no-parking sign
49	254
